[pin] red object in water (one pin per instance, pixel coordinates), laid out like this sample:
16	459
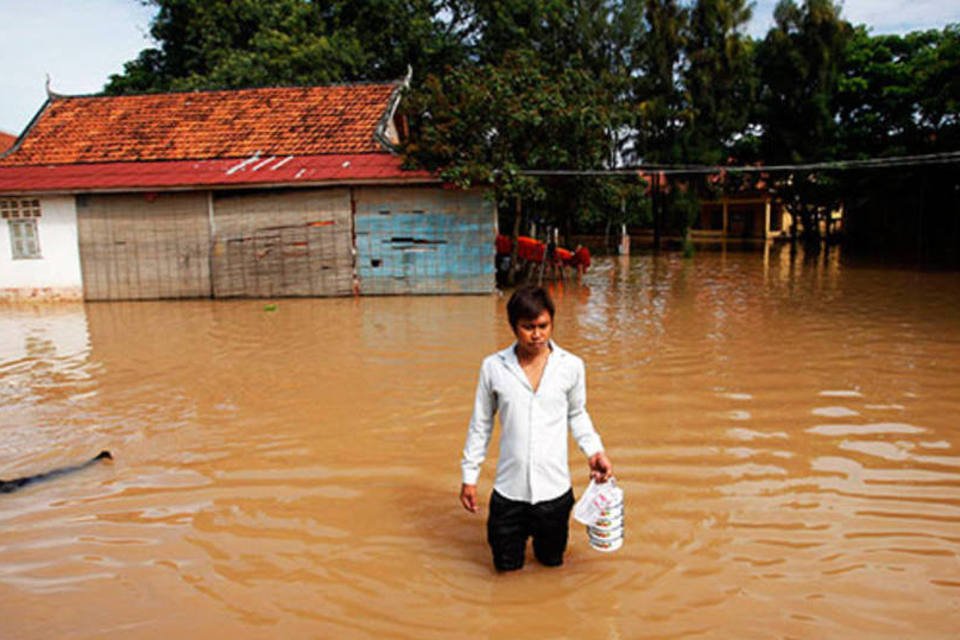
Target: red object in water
533	250
530	249
581	257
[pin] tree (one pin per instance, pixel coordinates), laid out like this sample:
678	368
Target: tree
718	78
484	124
899	96
655	83
799	63
546	89
215	44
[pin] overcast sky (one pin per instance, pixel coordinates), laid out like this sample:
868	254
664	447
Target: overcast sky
80	43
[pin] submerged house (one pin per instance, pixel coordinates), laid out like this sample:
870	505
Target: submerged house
741	213
755	215
245	193
752	214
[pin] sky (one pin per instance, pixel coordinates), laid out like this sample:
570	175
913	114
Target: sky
80	43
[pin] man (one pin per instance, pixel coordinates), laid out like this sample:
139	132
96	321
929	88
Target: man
539	390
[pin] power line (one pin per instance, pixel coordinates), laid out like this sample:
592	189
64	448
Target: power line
948	157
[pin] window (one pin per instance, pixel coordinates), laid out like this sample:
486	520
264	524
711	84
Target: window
21	216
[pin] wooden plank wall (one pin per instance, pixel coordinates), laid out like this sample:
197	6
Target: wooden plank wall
144	246
282	243
423	240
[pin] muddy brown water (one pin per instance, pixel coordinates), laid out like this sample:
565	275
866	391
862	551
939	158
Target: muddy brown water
786	433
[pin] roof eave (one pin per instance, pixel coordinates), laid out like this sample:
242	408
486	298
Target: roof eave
33	121
246	186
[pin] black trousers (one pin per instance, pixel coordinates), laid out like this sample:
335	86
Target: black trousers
512	522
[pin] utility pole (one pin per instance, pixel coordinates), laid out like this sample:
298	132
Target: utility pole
657	217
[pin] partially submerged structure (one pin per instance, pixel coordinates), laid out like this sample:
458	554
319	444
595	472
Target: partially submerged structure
246	193
756	215
752	213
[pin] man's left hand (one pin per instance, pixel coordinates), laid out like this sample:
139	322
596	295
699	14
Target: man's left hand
601	469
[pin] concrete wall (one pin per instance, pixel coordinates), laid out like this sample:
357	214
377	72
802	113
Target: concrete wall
54	276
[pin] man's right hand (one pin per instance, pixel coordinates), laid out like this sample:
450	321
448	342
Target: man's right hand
468	497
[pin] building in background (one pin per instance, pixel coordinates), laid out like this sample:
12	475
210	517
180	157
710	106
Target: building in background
246	193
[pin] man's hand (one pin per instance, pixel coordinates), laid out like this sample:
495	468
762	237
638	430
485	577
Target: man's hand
468	497
601	469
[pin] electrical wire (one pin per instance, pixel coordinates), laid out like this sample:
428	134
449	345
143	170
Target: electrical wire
948	157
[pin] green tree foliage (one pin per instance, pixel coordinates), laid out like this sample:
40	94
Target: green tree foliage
800	64
213	44
876	96
900	95
655	83
718	78
546	92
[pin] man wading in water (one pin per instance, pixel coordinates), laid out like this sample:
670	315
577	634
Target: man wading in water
539	390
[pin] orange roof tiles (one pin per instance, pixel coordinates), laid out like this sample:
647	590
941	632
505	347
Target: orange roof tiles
6	141
335	119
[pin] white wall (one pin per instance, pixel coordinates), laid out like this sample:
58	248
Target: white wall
57	273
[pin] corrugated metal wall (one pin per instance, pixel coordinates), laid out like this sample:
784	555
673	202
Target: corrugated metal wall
282	243
271	243
414	240
144	246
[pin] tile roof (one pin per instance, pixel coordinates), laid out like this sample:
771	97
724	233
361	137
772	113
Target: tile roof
218	173
337	119
6	141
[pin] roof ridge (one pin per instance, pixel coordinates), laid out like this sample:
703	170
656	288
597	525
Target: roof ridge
347	84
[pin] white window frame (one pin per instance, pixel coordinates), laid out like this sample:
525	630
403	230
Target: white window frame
21	215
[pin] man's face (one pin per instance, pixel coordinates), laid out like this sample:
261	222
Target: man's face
533	335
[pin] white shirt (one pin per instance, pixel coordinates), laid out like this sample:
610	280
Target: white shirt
532	465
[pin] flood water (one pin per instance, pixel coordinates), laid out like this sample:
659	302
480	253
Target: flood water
785	431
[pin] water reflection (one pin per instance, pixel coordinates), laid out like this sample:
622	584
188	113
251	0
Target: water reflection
782	427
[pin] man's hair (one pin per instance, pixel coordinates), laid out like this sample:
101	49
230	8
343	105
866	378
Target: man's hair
527	303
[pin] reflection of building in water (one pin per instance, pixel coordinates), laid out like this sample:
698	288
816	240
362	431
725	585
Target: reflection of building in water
45	369
34	333
784	263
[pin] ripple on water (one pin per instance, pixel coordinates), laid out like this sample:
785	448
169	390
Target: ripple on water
841	393
294	474
834	412
864	429
751	434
